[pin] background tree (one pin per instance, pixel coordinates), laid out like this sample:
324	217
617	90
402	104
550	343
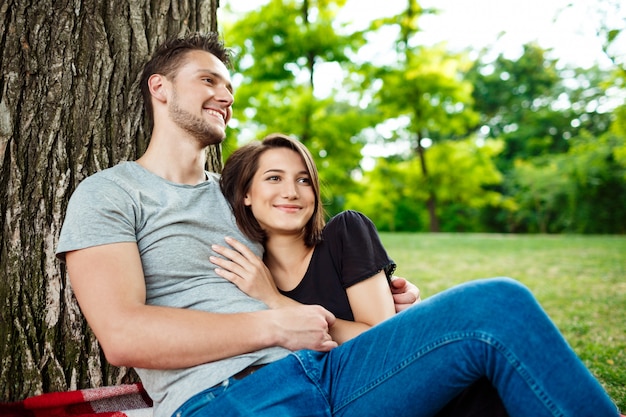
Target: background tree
388	193
425	86
280	48
394	194
515	98
415	96
70	105
542	111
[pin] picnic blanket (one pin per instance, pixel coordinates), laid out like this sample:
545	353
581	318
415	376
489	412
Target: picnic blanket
128	400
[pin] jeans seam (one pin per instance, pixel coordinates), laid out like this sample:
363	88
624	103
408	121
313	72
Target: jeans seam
457	337
313	380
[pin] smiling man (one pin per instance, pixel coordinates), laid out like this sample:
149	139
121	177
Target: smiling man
137	238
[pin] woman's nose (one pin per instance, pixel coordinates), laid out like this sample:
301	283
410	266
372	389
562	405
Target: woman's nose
290	191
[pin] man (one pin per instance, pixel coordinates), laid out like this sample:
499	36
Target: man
137	237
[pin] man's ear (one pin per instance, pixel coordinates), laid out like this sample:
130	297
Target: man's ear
157	84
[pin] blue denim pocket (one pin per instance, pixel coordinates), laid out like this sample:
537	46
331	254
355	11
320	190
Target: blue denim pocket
201	400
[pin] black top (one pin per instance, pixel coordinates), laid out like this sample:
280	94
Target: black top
350	252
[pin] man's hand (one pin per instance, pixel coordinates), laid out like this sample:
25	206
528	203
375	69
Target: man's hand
303	327
405	294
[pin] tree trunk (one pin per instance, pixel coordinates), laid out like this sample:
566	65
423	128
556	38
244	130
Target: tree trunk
70	105
431	203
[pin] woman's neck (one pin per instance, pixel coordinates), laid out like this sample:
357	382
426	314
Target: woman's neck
287	258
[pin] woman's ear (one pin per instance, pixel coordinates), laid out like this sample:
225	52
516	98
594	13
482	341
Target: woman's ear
246	200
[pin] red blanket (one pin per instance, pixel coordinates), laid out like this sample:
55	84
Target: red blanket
118	401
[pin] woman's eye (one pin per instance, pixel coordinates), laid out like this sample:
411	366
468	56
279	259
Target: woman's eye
305	180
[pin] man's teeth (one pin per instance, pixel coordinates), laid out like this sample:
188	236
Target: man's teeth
216	113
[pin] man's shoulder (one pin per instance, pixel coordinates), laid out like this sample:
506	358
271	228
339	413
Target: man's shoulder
121	170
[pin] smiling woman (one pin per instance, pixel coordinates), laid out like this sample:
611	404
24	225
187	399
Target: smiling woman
280	196
345	269
273	187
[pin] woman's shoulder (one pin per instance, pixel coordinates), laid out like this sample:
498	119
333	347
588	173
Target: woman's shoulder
350	223
349	217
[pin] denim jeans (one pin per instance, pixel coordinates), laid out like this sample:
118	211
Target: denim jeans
416	362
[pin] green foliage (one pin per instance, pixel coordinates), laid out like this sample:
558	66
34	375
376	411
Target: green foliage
425	86
535	107
280	47
515	99
282	37
545	115
582	191
552	157
463	174
429	89
600	192
392	195
618	129
541	192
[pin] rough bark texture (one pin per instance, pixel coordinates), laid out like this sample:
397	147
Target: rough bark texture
69	106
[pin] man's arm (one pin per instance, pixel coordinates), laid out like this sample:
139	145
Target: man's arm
370	299
109	285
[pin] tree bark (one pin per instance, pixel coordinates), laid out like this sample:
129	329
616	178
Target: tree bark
70	105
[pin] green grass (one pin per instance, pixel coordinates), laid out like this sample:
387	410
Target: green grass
579	280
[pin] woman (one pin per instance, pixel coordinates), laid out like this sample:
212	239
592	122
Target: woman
492	329
275	195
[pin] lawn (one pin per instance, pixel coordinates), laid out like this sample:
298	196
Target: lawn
579	280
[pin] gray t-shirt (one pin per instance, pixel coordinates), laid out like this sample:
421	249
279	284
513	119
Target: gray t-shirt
174	226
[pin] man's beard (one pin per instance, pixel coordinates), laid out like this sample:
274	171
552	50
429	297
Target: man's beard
204	132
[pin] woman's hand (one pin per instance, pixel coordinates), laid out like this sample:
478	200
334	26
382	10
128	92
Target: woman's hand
248	272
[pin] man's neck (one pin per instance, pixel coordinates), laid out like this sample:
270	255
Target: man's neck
180	161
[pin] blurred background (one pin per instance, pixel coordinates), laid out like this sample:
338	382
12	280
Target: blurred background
482	116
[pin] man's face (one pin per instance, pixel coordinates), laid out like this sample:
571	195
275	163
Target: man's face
202	97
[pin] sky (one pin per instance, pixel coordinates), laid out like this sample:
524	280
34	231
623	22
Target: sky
567	26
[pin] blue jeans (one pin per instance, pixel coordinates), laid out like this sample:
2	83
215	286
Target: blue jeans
416	362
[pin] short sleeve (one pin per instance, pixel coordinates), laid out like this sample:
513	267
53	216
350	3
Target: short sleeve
99	212
357	248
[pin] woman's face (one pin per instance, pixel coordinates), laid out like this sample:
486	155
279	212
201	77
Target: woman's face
281	196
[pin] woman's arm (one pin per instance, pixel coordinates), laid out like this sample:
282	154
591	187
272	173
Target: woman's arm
371	302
